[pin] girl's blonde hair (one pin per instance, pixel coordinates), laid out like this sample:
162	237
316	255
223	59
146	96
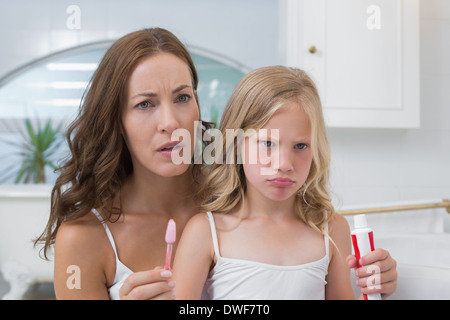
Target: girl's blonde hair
255	99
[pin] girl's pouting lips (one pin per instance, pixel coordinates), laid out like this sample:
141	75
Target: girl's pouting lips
281	182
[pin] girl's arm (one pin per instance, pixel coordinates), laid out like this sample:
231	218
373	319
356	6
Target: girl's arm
338	278
194	258
381	260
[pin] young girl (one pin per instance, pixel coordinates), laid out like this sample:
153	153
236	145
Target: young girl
274	233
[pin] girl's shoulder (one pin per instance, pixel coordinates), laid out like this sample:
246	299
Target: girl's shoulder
198	219
197	236
339	231
220	220
198	224
338	225
227	220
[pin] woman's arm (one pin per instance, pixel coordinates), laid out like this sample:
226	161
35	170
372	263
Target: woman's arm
194	257
79	262
153	284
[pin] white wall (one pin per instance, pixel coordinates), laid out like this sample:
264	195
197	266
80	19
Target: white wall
372	166
242	30
369	166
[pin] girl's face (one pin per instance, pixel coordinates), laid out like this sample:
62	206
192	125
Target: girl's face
160	99
286	140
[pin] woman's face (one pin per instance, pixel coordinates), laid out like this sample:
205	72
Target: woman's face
159	100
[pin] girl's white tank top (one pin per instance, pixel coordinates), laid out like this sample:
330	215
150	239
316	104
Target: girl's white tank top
236	279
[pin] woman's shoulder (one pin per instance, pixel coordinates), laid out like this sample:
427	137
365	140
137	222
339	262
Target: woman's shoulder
83	232
83	239
83	243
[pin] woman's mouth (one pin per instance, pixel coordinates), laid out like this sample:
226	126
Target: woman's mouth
171	147
282	182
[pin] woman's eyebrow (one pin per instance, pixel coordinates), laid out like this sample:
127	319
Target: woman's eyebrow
179	88
145	94
150	94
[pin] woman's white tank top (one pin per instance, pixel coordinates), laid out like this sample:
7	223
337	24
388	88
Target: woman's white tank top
122	271
236	279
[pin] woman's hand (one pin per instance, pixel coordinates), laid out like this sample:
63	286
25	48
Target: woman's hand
377	273
156	284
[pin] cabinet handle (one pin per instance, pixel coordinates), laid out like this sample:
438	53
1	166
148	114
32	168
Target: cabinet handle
313	49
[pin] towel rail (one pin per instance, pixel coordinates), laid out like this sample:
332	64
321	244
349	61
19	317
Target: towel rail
444	204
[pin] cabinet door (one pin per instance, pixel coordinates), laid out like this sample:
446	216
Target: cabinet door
364	57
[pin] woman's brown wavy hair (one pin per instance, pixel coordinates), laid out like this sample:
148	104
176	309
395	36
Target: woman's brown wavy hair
99	159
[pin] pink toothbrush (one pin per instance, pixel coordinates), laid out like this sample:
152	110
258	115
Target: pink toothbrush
171	236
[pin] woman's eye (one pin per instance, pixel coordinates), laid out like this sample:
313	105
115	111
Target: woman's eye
144	105
300	146
183	98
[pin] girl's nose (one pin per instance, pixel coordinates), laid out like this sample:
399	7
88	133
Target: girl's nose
283	160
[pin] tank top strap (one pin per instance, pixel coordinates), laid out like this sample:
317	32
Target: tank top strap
214	234
327	240
108	232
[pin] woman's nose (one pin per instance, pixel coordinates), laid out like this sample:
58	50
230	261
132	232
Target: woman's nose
168	121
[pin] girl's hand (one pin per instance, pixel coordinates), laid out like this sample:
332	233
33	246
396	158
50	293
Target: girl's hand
156	284
377	274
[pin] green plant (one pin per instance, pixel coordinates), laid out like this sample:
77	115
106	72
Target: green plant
37	149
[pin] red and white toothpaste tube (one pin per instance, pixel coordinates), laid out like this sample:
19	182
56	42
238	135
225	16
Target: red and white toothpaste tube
362	238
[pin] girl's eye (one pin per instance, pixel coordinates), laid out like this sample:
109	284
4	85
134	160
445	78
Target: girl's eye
144	105
267	143
300	146
183	98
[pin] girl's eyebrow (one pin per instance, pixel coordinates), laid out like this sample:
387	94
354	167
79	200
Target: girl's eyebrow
150	94
301	139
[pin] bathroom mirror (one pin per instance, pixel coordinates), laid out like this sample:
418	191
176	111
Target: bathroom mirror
51	88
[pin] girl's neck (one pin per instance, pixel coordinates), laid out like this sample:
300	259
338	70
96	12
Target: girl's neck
255	204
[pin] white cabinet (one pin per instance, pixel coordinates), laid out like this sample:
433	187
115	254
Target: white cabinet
363	56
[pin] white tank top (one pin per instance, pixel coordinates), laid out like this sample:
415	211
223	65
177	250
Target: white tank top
122	271
236	279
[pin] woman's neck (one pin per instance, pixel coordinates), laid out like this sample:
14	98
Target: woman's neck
156	194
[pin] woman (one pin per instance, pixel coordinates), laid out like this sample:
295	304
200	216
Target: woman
119	177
